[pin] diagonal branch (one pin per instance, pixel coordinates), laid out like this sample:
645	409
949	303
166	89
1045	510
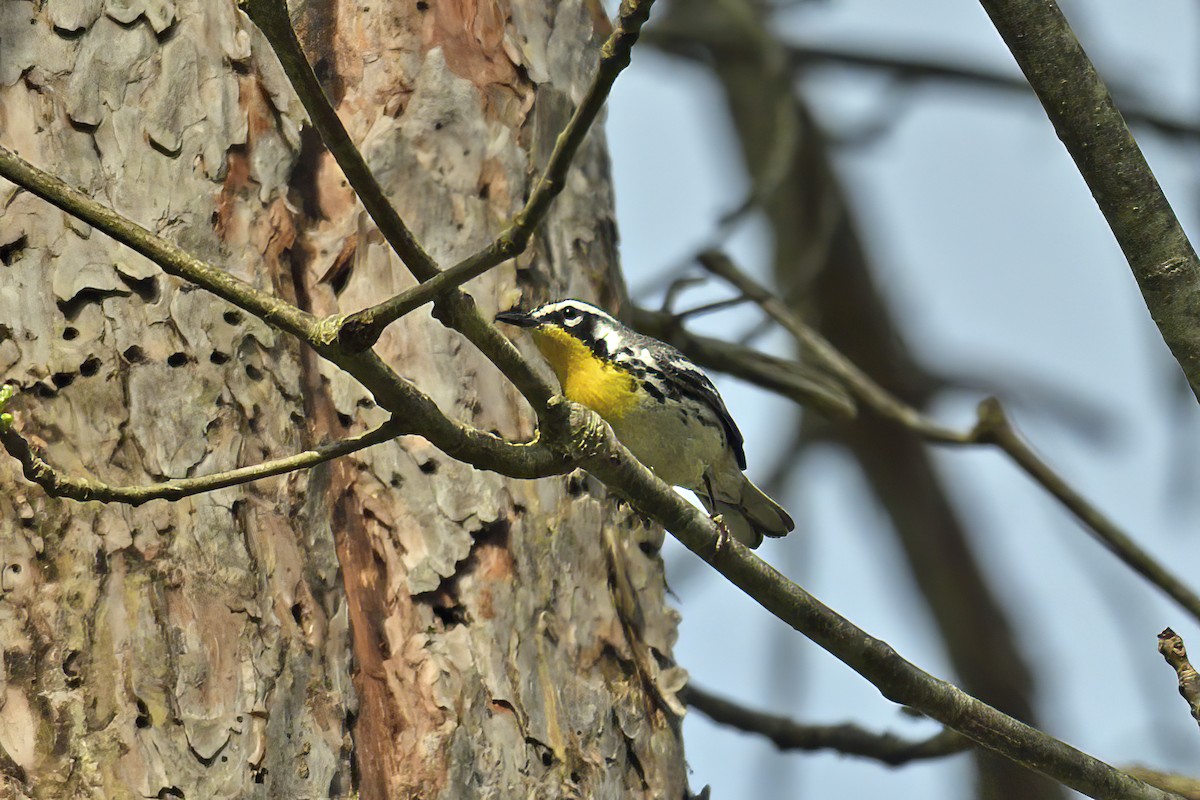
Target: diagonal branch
595	449
167	256
363	328
486	450
359	331
271	17
1094	133
56	484
847	739
992	427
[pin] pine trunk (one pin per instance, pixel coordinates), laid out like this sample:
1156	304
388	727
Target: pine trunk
396	623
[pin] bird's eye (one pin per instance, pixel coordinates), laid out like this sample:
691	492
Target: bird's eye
570	313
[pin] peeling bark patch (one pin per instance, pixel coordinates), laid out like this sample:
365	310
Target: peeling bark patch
472	36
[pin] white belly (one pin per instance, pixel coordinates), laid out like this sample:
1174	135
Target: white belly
676	446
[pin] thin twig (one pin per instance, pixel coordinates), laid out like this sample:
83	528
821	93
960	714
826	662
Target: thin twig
908	67
847	739
1170	644
992	427
56	484
167	256
1126	191
803	383
363	328
710	308
995	428
821	352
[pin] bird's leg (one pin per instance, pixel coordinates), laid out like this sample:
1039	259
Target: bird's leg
723	534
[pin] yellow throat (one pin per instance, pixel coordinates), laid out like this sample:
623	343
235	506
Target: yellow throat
606	389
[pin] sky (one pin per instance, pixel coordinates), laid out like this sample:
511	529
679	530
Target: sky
998	265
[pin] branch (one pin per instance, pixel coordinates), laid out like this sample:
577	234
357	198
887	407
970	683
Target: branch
1170	644
359	331
271	17
363	328
1089	125
167	256
992	427
392	393
799	382
908	67
56	484
847	739
597	450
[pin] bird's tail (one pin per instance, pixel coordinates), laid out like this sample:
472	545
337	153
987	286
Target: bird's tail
747	512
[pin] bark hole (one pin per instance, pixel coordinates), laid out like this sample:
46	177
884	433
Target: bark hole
134	354
70	668
71	308
146	288
89	367
11	252
143	719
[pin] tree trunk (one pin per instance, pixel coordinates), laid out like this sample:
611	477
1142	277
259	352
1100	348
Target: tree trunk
395	623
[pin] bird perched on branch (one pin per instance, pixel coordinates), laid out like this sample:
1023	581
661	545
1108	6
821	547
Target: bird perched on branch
660	405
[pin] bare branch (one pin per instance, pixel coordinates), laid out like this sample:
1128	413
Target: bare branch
907	67
594	448
459	312
847	739
171	259
993	427
480	448
56	484
1170	644
819	350
271	17
1094	133
362	329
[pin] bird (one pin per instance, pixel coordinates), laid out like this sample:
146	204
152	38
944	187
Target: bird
660	405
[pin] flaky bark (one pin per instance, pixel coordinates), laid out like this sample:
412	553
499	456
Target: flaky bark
508	638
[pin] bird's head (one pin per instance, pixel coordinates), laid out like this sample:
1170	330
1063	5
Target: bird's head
570	333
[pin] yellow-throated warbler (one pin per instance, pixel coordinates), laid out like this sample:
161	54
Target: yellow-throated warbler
660	405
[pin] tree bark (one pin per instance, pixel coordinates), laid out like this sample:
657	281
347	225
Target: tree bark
396	623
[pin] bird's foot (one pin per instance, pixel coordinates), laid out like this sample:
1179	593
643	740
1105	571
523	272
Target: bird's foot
724	537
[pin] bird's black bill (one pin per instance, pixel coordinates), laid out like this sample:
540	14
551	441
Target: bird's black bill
518	318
